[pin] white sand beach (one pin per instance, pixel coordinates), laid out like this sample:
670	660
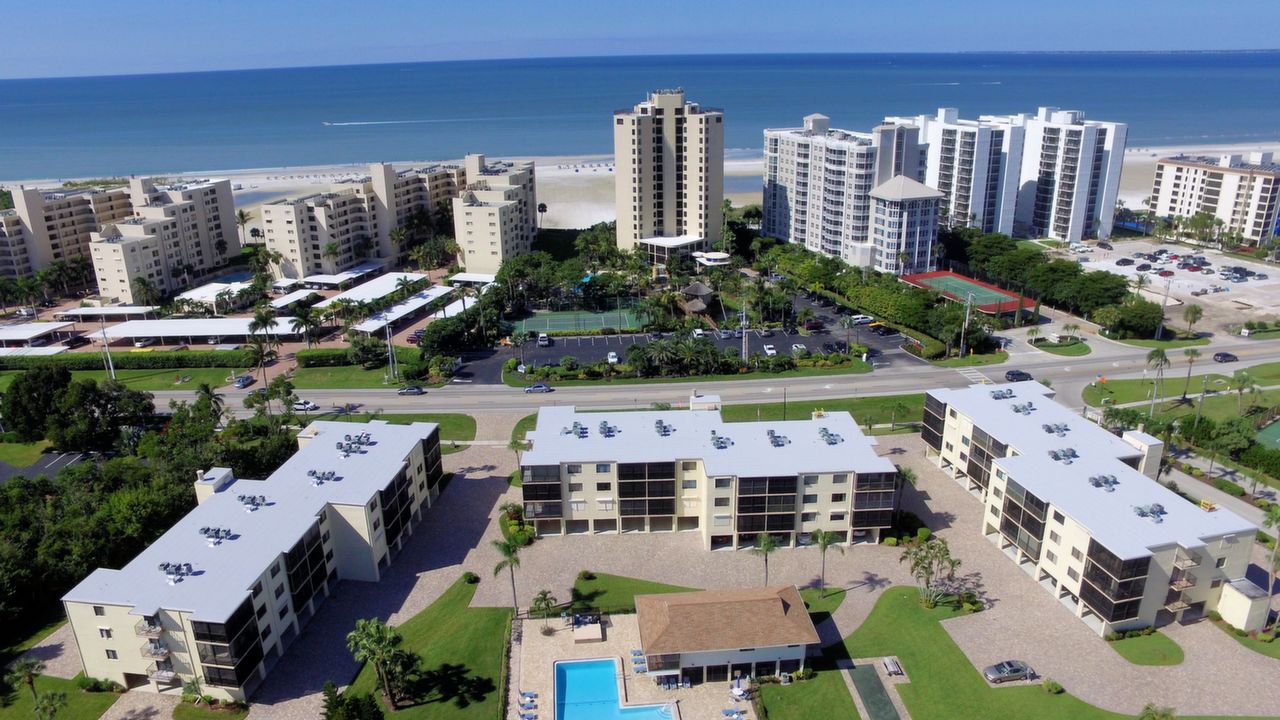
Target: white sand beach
579	190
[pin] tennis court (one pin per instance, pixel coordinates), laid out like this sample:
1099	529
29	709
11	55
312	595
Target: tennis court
1269	436
986	298
622	319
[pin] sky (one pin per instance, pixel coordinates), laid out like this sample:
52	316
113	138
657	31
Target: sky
90	37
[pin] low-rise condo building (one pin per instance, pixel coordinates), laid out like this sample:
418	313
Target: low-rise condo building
350	223
669	167
695	636
818	185
1081	512
690	471
223	594
175	235
49	225
494	216
1242	193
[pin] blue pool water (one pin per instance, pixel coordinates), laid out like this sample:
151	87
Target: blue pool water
588	690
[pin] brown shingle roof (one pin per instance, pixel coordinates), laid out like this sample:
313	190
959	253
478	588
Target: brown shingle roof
723	620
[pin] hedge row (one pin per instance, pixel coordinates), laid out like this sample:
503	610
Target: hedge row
134	360
883	304
338	357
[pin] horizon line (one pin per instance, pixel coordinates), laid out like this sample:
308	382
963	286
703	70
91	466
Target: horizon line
1245	51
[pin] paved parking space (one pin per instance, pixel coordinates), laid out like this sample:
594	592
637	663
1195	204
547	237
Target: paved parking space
1263	296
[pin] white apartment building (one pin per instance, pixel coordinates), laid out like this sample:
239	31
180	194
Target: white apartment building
905	226
1241	191
332	231
224	593
175	234
49	225
669	166
689	471
818	183
975	164
495	216
1080	511
1070	173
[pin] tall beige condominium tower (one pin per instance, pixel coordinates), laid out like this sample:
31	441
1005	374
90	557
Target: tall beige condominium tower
493	217
45	226
669	156
1241	192
176	234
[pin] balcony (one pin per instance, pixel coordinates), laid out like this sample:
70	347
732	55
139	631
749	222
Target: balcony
1176	604
154	650
1186	561
166	675
148	629
1182	580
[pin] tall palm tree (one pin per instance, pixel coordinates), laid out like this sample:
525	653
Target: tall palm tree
824	539
307	321
25	672
1242	382
542	212
420	256
398	237
263	321
544	603
1191	354
405	285
332	251
375	642
242	221
8	293
510	552
1157	360
144	291
1192	314
518	446
766	544
208	394
1033	332
260	353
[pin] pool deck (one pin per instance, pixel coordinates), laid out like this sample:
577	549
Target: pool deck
533	668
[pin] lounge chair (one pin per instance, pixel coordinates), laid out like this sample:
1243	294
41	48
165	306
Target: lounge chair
731	713
529	706
686	684
528	694
669	683
528	716
637	653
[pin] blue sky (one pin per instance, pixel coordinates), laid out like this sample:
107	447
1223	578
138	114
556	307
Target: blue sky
90	37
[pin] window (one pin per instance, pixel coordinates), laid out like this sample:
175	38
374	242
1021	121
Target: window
377	523
97	610
996	491
721	520
604	487
809	499
722	502
837	497
104	632
324	537
810	479
688	484
266	632
837	516
840	478
1059	518
257	589
950	446
1054	537
1216	583
689	465
261	611
279	591
111	655
723	483
808	517
1075	553
964	441
573	469
275	569
1071	573
1222	562
284	611
575	487
994	510
1050	556
951	412
602	467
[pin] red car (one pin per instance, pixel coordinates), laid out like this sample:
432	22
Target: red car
1166	273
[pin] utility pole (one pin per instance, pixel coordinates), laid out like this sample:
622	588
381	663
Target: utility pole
964	332
391	353
106	348
1204	388
1160	328
743	324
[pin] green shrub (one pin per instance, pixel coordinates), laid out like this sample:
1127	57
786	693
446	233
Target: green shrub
10	437
1215	616
923	534
1239	633
1229	487
1051	686
586	576
891	541
470	578
1111	636
803	674
133	361
1266	637
323	357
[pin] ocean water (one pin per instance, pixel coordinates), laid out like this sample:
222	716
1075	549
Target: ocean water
273	118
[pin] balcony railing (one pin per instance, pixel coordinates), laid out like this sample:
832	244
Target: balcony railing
1182	580
158	651
162	674
1176	604
146	629
1186	561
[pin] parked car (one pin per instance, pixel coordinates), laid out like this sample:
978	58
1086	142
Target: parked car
1260	276
538	388
813	324
1206	271
213	339
1125	262
143	342
305	406
611	358
862	319
1224	357
243	382
770	351
1018	376
699	333
544	340
655	335
1143	267
1105	246
1006	671
1166	273
724	333
77	341
411	390
737	332
26	312
799	349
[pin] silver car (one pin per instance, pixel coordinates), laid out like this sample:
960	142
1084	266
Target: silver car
1006	671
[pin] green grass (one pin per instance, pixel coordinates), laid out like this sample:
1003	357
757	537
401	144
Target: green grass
1178	342
453	426
943	683
162	379
22	455
1154	649
38	634
523	426
817	604
343	377
1120	392
1070	348
17	705
1266	373
823	696
190	711
1220	406
866	410
616	594
467	644
974	360
855	367
1271	649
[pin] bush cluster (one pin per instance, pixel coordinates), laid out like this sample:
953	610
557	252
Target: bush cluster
1051	686
133	361
89	684
1229	487
1126	634
470	578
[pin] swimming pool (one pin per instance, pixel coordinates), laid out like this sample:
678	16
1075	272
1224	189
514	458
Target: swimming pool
588	690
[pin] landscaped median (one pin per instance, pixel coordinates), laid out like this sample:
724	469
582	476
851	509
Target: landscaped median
1066	348
1146	647
453	426
622	374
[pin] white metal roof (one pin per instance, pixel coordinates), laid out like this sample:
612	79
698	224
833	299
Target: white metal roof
672	242
749	452
403	308
354	273
285	283
33	351
30	331
1108	515
376	288
192	327
109	311
472	277
285	301
209	293
224	574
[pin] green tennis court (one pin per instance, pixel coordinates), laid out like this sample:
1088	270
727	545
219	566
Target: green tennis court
961	288
1269	436
568	320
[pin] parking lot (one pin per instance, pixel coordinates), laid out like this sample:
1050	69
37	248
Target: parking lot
1236	302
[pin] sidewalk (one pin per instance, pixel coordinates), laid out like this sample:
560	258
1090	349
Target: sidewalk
1204	491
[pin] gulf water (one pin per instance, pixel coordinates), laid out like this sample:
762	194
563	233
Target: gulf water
66	127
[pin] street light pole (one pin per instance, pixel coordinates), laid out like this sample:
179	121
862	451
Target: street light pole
106	348
964	332
1160	327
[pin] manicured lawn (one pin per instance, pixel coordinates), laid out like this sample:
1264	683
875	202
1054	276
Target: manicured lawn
190	711
165	379
817	604
855	367
823	696
344	376
944	684
1070	348
1222	405
974	360
866	410
1154	649
1271	649
1167	344
463	649
1120	392
1266	373
453	426
523	426
36	635
614	593
17	705
22	454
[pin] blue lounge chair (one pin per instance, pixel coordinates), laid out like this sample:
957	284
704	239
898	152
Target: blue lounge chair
529	706
731	713
637	653
528	694
528	716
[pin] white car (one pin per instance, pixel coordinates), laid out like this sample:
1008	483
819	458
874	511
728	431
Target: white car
770	351
861	319
612	358
698	333
305	406
144	342
799	349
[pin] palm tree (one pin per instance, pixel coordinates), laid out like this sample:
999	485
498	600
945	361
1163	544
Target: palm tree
824	539
420	256
259	353
451	248
49	704
1192	314
8	293
374	642
895	409
1191	354
307	321
518	446
25	672
398	237
1152	712
263	320
242	221
206	393
1032	333
1271	520
1140	281
510	552
1070	330
332	252
405	285
144	291
1157	360
766	544
1242	382
544	603
542	212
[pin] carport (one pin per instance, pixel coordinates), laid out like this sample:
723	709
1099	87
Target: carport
212	330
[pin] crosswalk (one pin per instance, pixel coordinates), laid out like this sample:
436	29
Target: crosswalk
973	375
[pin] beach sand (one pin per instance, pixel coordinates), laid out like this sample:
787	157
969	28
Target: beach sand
578	190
